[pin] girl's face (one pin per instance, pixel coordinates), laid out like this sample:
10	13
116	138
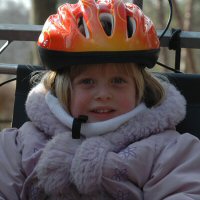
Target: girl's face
102	93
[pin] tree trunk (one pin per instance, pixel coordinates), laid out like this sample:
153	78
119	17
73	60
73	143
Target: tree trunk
41	10
138	3
189	59
185	24
162	24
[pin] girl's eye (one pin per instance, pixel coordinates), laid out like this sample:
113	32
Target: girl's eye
118	80
87	81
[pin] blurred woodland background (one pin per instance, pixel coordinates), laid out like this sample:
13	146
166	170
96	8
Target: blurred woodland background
185	17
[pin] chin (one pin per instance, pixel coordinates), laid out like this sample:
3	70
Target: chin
100	119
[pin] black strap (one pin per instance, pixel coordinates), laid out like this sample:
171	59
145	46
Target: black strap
76	126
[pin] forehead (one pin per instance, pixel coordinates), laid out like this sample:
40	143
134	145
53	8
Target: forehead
110	68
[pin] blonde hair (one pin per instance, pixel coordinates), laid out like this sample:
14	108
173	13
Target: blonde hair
148	88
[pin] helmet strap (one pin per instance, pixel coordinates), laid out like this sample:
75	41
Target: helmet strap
76	126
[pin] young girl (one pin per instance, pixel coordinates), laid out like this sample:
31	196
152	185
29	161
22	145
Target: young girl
98	91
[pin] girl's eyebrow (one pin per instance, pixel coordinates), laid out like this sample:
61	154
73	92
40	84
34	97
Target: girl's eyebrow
81	78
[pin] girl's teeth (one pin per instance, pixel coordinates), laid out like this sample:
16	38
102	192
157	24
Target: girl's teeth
102	111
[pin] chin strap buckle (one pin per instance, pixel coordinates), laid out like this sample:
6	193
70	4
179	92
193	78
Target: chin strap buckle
76	126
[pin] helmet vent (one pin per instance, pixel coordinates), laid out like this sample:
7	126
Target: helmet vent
83	27
107	22
131	26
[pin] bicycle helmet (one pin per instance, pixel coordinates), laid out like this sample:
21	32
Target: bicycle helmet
106	31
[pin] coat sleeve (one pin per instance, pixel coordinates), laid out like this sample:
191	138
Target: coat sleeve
126	172
176	174
11	175
149	170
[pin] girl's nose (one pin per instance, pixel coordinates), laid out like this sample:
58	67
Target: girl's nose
103	93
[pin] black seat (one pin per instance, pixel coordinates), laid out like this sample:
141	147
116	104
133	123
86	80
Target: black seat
188	84
23	86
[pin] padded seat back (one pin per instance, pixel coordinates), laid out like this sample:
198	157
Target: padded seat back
23	86
189	86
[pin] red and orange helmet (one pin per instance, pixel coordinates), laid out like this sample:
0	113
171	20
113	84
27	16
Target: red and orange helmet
106	31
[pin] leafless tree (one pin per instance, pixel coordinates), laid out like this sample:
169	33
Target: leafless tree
185	23
41	10
162	23
39	13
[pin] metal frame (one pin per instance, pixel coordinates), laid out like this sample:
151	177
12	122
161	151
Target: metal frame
22	32
8	68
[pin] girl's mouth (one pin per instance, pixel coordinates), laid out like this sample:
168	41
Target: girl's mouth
103	111
102	114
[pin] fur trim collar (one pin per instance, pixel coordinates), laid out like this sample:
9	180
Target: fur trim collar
39	113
